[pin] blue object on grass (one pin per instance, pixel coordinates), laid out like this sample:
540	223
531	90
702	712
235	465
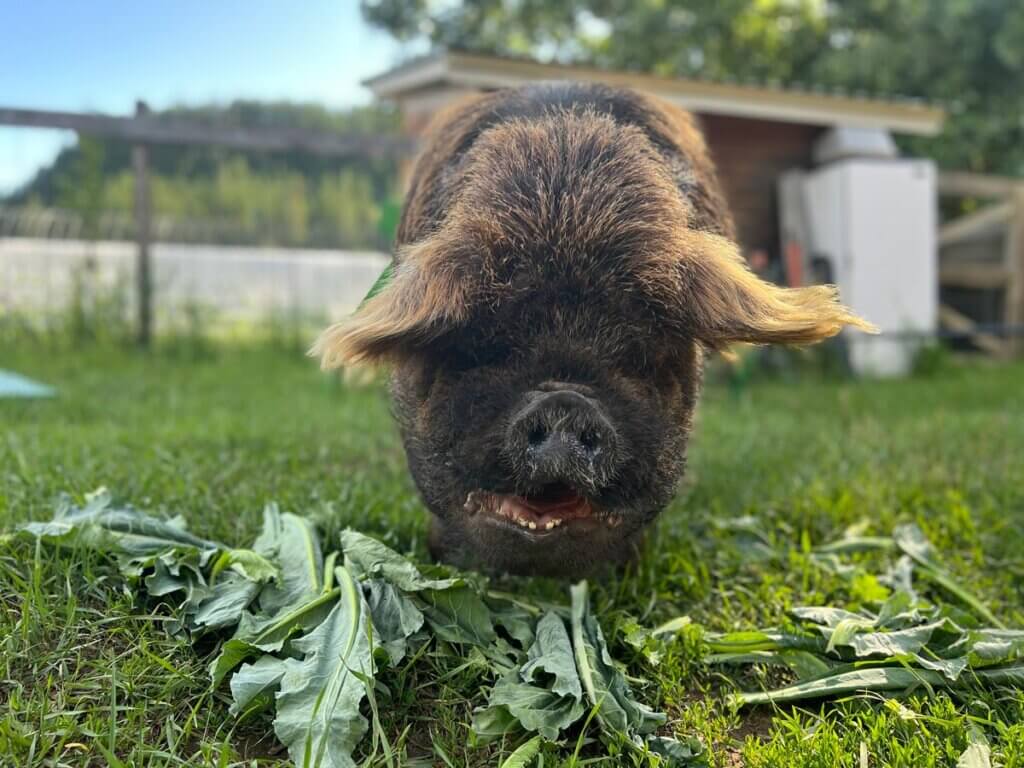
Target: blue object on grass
15	385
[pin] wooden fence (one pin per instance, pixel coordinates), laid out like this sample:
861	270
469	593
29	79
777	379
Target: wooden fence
981	263
143	130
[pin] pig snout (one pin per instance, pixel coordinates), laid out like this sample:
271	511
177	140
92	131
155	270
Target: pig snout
562	436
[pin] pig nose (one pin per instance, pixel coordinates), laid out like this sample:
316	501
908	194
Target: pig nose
563	436
561	422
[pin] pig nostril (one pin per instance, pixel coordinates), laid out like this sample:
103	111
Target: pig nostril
590	440
536	436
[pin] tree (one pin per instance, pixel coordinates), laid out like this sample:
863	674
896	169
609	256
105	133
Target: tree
83	189
285	198
967	55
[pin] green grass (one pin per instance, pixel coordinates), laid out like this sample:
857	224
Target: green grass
87	677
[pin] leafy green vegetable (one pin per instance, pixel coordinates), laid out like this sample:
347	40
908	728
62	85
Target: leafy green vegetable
518	621
910	540
604	684
459	615
395	616
534	708
544	695
905	645
551	653
366	558
524	755
291	542
978	753
491	723
382	281
270	633
253	681
224	604
889	678
308	635
645	641
165	558
131	534
677	753
248	564
318	703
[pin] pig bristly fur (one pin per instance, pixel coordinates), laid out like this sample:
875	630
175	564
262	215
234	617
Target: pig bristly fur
565	258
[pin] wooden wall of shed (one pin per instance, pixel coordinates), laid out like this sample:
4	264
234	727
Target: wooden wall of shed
750	155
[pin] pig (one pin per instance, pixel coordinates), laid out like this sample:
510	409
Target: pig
564	262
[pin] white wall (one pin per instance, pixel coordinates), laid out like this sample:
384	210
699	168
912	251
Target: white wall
239	283
875	220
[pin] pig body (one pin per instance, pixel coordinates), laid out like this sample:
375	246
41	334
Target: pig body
564	259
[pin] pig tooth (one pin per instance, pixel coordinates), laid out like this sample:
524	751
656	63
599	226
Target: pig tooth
556	522
523	522
549	525
533	526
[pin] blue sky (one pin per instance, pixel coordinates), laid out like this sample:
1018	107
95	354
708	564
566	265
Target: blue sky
102	55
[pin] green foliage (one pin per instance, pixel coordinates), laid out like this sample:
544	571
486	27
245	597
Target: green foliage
83	189
963	54
95	312
288	198
932	359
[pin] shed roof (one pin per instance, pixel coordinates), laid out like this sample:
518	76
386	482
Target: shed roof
460	69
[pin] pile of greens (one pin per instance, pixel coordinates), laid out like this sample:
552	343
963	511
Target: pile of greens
309	632
834	652
905	644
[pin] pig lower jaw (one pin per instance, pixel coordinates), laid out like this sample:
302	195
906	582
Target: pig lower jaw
540	516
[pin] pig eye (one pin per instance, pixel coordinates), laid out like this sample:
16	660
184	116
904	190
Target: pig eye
463	356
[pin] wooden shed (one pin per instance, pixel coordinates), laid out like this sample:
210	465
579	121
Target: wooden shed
755	132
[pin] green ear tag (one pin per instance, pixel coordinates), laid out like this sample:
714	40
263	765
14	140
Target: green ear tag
380	284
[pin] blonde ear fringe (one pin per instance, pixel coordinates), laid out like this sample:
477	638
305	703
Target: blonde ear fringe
416	306
352	342
732	304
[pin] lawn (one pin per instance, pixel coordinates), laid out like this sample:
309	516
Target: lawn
775	470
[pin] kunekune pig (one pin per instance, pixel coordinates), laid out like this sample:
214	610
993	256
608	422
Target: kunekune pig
564	260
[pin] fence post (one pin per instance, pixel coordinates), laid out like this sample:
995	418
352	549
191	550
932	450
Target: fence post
1014	310
143	223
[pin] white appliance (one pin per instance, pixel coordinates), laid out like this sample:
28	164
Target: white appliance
869	226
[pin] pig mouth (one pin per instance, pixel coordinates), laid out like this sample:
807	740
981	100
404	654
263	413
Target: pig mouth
552	509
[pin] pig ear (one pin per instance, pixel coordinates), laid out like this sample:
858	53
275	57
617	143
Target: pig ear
426	296
724	302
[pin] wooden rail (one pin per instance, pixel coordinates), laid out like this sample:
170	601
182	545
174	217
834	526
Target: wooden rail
145	128
988	220
959	184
